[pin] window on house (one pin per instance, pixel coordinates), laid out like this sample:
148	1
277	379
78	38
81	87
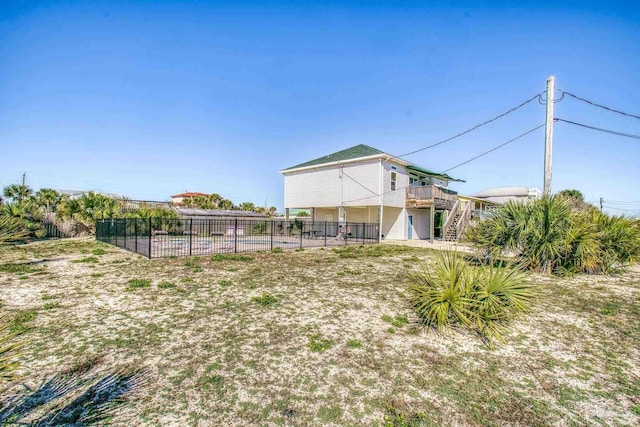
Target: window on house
394	177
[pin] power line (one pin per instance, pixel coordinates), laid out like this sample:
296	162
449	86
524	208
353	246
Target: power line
628	135
536	96
357	182
494	148
447	170
613	110
619	202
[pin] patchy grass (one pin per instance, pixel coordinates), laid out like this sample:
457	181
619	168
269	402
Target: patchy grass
166	285
18	268
88	260
134	284
265	300
319	344
231	257
340	346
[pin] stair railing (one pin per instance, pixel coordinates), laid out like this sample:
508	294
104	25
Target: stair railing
449	222
463	221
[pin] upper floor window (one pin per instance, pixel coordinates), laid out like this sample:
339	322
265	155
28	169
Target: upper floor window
394	178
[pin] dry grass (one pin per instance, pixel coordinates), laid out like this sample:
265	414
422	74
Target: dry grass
337	343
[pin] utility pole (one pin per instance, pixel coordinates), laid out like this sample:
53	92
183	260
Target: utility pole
548	136
24	177
600	204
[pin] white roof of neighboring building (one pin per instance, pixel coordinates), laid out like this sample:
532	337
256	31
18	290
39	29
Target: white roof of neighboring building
506	191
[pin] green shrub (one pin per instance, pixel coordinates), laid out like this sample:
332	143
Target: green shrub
481	298
277	250
99	251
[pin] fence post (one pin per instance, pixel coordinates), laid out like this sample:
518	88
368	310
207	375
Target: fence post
271	247
364	230
301	231
235	235
190	235
135	233
325	234
150	233
346	235
124	234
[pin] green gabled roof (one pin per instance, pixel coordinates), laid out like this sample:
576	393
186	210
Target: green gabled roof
354	152
442	176
363	150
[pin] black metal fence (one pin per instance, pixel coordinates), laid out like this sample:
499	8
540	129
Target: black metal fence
156	238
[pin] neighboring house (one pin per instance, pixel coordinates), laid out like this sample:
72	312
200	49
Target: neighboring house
364	185
177	199
501	195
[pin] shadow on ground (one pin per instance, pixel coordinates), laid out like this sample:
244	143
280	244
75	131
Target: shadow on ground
76	398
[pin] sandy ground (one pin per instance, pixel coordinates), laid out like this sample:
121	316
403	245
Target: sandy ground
338	344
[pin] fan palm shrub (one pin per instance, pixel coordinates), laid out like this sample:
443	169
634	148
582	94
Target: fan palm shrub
8	348
551	235
11	229
454	293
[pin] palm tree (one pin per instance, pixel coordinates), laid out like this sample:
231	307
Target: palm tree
247	206
91	207
226	204
48	199
17	192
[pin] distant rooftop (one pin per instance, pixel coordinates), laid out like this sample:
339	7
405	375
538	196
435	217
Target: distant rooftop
189	194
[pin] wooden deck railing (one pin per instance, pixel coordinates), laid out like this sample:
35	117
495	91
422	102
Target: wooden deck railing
431	193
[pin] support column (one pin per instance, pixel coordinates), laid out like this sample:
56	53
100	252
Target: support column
432	220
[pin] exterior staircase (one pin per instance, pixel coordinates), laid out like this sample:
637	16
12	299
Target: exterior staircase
457	222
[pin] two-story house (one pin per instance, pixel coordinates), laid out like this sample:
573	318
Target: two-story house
364	185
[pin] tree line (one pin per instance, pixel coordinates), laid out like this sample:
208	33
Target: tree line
23	212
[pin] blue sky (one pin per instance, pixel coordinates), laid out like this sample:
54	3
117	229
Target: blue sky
148	99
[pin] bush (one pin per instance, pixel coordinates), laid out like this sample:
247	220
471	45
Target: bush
482	298
552	236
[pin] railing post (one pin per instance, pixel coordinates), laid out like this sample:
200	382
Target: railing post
235	236
190	236
150	233
325	234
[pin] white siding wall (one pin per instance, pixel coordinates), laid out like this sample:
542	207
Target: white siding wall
322	187
394	223
421	219
395	198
